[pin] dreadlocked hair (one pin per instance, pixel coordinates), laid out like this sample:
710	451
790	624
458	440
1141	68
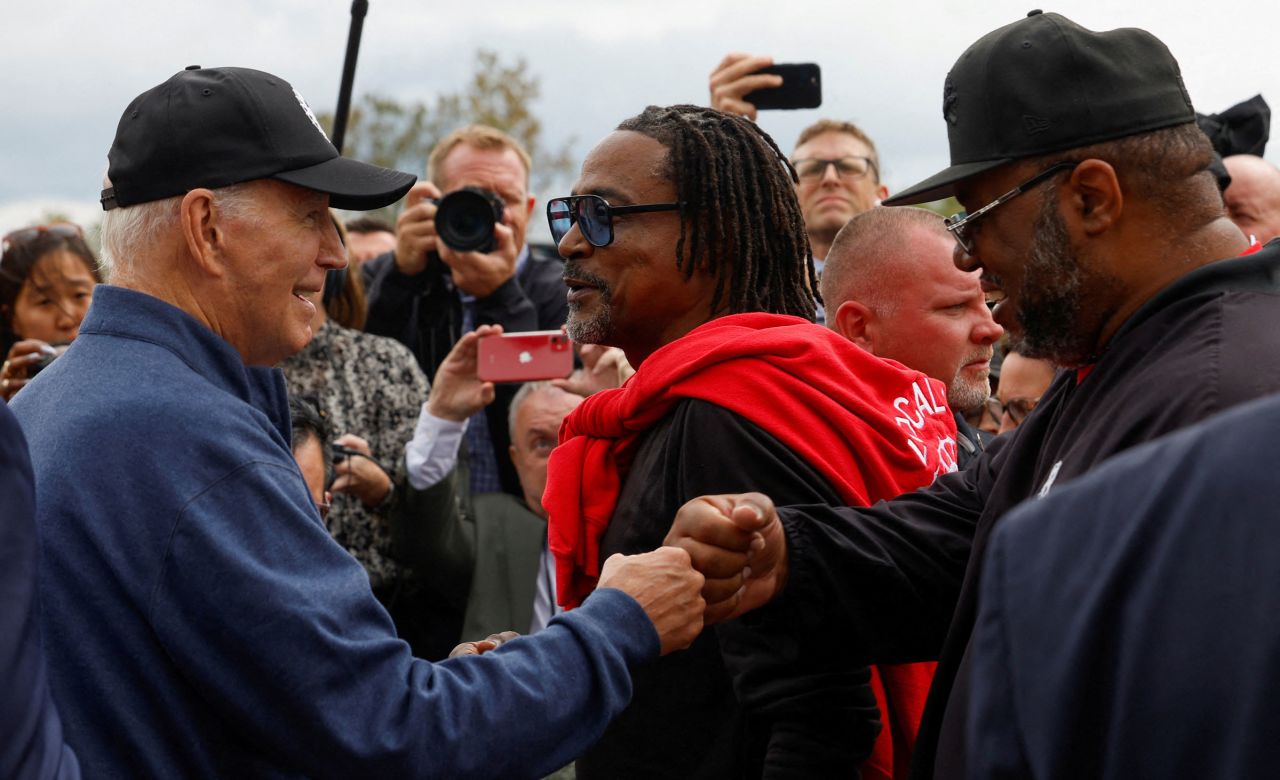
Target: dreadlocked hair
739	217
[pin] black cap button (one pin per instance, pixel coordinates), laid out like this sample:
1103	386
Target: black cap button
1033	13
192	67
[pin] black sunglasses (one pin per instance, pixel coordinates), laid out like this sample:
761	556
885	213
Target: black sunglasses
593	215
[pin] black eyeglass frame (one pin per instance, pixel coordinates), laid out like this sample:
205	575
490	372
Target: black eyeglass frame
1018	408
960	223
570	202
871	166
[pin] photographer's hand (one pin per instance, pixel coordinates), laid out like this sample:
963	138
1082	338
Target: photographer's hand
360	477
733	79
456	391
13	374
478	273
603	368
416	229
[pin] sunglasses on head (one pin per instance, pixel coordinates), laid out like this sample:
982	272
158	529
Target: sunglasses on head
593	215
24	235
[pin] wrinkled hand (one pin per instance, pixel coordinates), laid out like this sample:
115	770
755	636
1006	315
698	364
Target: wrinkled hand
668	589
738	544
456	391
22	355
416	229
603	368
733	79
480	273
360	477
484	645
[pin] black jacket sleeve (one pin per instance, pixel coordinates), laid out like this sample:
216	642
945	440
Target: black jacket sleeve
883	581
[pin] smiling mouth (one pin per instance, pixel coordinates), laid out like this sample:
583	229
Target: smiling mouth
992	288
302	293
581	283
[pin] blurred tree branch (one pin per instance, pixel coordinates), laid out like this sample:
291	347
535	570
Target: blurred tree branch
384	131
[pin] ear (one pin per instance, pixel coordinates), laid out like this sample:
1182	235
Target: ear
882	192
532	200
1095	200
856	322
203	231
511	452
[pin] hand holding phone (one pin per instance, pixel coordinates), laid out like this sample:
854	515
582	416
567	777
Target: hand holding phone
525	357
736	76
801	87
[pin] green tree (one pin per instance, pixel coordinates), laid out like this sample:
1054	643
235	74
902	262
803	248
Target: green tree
385	131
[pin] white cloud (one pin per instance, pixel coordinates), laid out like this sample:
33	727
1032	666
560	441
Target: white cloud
883	62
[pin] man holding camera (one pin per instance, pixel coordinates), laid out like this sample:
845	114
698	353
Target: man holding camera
449	273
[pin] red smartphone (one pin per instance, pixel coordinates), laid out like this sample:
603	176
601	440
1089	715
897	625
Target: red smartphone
525	357
801	87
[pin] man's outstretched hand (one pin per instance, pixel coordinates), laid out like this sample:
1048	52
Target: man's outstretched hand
738	544
666	587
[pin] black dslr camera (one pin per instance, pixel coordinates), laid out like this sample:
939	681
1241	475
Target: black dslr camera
465	219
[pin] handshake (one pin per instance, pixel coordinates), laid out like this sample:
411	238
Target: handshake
724	556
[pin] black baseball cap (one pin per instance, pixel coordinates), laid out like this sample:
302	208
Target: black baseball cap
214	127
1045	84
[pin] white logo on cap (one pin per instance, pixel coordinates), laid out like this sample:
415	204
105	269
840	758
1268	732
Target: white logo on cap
302	102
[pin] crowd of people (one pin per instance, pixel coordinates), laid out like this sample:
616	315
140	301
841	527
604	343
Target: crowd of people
836	487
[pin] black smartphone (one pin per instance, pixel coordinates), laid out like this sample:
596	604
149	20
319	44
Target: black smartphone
801	87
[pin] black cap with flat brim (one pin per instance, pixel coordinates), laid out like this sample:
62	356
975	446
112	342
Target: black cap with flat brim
351	184
215	127
1044	84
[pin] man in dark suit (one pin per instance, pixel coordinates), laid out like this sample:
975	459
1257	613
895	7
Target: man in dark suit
483	554
1158	658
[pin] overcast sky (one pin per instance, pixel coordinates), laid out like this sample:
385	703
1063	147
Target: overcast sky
69	67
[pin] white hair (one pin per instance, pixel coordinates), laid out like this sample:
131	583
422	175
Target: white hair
130	230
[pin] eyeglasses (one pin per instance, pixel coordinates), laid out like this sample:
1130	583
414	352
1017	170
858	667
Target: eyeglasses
1018	408
961	224
846	167
24	235
593	215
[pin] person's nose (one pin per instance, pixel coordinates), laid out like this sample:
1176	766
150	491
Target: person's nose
573	244
986	330
963	260
830	174
66	318
1006	423
333	253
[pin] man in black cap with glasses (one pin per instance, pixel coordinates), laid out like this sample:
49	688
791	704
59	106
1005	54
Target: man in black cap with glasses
1093	215
199	619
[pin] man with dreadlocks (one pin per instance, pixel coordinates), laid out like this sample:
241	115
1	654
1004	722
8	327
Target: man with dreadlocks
735	388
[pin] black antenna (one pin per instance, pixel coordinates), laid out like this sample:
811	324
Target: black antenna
358	10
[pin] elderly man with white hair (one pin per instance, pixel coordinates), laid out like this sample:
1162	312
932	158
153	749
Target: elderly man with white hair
199	620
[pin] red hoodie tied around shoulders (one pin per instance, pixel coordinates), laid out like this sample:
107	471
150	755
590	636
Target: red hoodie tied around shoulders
872	427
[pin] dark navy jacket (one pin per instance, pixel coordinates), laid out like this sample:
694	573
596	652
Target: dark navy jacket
31	746
1128	624
200	621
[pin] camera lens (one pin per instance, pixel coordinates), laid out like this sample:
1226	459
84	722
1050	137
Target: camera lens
466	217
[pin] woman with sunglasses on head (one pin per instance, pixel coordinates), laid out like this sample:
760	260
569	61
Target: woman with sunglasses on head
47	276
